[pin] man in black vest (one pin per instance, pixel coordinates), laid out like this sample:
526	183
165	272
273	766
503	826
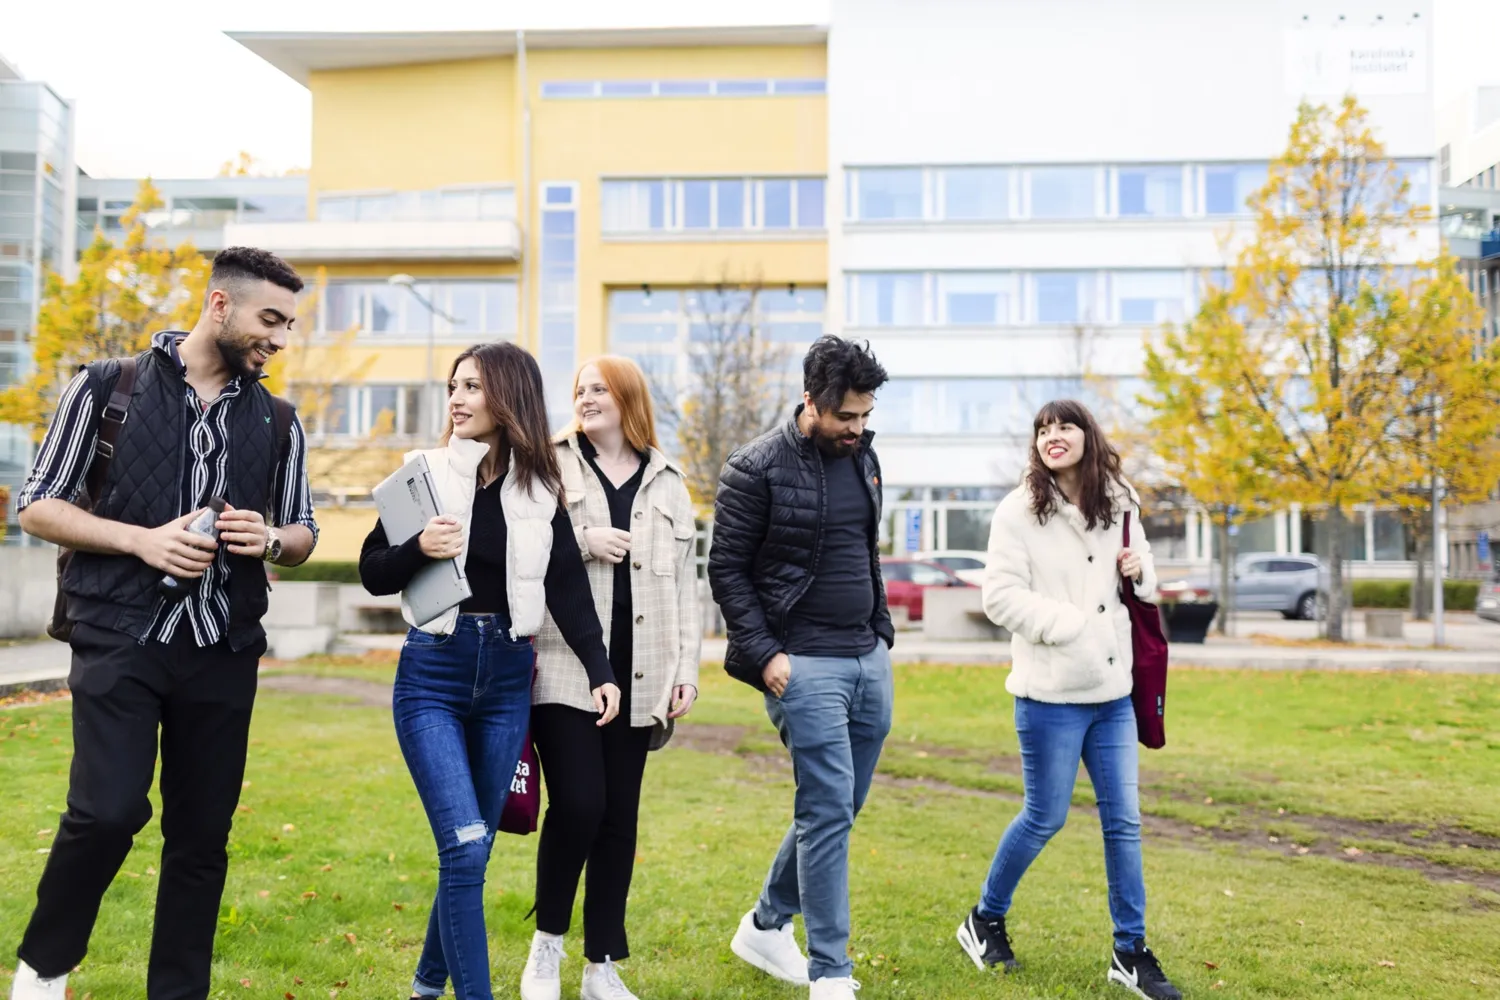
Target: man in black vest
198	425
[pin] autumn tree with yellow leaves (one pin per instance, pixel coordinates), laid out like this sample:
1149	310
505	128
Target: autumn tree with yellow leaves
1310	368
121	296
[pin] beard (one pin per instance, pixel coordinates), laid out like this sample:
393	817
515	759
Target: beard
833	447
237	349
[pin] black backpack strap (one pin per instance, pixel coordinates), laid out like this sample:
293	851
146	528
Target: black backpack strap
111	419
284	412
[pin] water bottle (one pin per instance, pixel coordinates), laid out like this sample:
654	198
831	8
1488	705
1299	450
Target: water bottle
206	526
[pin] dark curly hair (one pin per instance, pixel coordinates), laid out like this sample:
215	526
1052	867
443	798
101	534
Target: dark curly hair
1100	477
835	367
234	265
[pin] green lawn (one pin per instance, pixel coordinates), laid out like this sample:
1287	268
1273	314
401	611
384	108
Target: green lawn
332	864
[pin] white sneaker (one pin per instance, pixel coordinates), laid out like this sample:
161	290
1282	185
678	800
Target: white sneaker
602	982
773	952
542	978
29	986
834	989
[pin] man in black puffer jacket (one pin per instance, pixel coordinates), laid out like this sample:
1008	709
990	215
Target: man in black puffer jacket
795	569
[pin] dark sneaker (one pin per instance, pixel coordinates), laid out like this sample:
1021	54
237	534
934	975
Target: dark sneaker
1140	973
986	942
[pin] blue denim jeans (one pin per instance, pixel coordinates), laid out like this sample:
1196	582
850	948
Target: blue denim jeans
1054	738
462	707
833	717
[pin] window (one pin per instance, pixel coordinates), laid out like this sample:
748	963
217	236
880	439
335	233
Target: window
1063	296
594	89
980	193
1228	187
1418	176
1150	296
1063	193
483	308
887	299
1150	192
978	299
729	204
457	204
895	572
558	264
697	204
924	575
889	194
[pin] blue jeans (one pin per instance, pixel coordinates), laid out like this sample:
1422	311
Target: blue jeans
833	717
1053	740
462	707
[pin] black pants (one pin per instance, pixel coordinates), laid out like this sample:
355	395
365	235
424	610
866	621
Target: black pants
593	778
123	693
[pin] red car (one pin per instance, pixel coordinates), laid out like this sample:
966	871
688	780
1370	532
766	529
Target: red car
906	579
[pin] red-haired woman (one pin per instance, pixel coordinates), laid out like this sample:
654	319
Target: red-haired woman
1057	559
632	520
462	697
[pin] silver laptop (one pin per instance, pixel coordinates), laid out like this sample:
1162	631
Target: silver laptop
407	500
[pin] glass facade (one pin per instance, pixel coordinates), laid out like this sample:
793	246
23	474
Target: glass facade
557	346
36	222
1019	298
193	210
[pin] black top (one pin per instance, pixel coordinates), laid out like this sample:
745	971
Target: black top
833	617
621	498
387	569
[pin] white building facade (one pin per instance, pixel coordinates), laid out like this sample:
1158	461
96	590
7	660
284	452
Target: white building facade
1020	194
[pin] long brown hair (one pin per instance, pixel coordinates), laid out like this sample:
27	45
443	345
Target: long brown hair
632	394
1100	478
512	385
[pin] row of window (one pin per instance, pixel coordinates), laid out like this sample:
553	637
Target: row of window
1001	193
190	213
472	310
1016	298
594	89
449	204
993	407
363	410
735	203
674	319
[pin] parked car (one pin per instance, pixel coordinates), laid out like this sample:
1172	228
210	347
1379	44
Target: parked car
1487	604
1295	585
968	565
906	579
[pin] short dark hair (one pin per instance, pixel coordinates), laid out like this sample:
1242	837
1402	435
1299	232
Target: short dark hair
233	265
835	367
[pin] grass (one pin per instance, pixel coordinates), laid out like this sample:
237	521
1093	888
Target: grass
332	867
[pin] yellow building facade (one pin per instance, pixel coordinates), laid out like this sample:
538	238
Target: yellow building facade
578	192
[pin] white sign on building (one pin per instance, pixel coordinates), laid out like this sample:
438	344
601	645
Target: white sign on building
1369	62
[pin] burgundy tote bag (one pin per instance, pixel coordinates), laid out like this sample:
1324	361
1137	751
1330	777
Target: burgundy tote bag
1149	692
524	803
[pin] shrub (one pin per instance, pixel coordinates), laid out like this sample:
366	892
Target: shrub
1458	595
319	572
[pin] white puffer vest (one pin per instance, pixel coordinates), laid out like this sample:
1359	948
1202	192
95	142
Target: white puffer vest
528	525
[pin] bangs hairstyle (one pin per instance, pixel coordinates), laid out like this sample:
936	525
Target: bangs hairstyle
1100	479
632	394
512	385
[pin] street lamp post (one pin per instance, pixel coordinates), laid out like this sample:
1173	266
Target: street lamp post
429	394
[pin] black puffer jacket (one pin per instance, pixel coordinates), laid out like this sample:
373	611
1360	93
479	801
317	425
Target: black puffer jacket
768	531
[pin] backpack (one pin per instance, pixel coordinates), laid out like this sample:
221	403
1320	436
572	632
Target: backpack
110	418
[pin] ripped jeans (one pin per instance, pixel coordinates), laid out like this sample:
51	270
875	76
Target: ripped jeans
462	705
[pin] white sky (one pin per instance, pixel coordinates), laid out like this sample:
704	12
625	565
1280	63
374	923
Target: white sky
161	91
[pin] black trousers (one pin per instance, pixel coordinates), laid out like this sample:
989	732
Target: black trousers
124	693
593	778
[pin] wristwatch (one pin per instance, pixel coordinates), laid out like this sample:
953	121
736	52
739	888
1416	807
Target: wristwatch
273	546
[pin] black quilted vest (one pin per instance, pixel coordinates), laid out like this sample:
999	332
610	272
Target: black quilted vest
144	487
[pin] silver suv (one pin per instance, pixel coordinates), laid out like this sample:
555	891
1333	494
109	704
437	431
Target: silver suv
1295	585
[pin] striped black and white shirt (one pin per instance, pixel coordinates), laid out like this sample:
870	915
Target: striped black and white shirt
61	468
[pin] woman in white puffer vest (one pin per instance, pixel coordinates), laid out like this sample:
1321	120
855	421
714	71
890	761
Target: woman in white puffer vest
1056	563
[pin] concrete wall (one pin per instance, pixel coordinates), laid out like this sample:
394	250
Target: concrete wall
28	587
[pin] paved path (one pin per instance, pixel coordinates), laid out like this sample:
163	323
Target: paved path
1474	649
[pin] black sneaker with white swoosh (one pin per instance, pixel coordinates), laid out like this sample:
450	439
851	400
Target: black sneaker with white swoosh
1140	973
986	943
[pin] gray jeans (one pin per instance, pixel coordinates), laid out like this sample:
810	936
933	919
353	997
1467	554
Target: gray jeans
833	716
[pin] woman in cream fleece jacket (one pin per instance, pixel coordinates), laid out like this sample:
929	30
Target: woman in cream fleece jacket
1057	561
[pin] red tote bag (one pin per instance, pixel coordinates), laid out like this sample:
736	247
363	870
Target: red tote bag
524	803
1149	644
